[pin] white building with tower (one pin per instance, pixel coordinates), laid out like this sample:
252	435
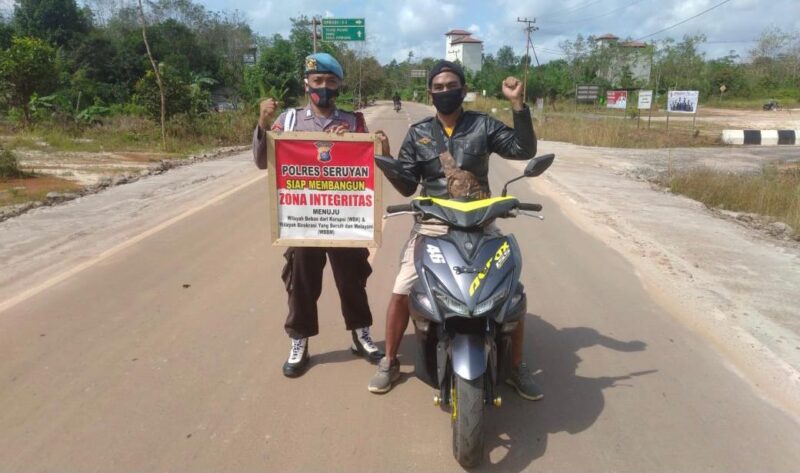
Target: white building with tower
462	47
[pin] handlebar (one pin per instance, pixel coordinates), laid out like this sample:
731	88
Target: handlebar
531	207
392	209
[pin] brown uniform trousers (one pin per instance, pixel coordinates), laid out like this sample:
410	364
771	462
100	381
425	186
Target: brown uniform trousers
302	274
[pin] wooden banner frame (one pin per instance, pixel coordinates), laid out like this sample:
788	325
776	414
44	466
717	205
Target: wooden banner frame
272	179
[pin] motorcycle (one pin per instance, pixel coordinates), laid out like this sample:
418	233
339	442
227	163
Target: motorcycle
466	303
397	106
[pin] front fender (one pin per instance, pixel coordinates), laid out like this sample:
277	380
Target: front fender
469	356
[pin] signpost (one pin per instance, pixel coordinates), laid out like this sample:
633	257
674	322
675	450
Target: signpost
343	29
617	99
645	102
419	74
682	101
586	94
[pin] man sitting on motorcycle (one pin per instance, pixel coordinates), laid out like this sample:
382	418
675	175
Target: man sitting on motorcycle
396	101
470	138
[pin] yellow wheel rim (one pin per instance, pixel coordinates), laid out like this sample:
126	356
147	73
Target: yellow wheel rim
453	404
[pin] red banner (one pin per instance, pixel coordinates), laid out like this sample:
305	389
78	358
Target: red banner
326	189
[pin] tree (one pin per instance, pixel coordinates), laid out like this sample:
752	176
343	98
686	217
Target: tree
158	80
506	59
276	69
28	67
680	65
6	33
177	95
55	21
776	60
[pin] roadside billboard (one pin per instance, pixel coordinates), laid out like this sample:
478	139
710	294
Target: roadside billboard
682	101
645	99
586	93
617	99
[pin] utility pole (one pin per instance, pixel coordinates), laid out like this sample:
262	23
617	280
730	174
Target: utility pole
314	23
528	45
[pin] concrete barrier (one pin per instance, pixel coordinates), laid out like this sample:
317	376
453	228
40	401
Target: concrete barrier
761	137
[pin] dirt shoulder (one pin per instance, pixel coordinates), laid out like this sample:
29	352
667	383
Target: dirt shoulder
64	176
734	284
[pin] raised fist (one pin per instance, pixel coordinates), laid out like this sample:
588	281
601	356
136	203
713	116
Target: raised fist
267	110
512	89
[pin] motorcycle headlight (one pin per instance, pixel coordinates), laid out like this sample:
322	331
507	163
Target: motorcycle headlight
493	301
450	303
424	301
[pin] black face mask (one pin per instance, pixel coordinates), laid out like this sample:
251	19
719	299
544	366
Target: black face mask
322	97
448	102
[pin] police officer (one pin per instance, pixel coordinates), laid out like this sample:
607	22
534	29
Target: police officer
302	274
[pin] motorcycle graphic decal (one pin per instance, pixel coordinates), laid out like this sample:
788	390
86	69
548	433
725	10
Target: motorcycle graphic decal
435	254
476	283
502	255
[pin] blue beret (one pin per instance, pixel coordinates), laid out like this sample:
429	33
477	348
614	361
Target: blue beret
323	63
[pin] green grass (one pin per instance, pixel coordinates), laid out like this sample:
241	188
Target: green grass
748	104
601	128
774	192
129	133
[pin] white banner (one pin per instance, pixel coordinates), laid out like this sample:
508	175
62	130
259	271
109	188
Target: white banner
645	99
682	101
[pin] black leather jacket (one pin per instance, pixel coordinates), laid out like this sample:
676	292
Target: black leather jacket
475	137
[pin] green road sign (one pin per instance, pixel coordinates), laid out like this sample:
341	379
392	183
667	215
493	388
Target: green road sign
343	29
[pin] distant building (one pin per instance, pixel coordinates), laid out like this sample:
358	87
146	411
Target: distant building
635	56
461	46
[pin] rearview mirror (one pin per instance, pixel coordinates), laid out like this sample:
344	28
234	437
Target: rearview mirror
538	165
535	167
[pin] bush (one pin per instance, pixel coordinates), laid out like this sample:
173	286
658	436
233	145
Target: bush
9	167
213	129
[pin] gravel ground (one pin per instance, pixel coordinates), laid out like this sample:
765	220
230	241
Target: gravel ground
728	276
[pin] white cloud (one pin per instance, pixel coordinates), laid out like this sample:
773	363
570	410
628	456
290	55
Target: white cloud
394	29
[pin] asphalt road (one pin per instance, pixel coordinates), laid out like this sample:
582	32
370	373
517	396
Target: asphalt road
165	355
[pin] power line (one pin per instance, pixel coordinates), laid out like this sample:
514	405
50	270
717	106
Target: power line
732	42
572	9
598	16
684	21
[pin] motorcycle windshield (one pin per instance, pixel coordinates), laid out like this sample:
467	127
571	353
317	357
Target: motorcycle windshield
464	214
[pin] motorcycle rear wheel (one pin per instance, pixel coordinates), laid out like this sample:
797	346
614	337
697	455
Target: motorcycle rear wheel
467	405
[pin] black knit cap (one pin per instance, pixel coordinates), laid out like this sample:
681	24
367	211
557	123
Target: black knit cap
446	66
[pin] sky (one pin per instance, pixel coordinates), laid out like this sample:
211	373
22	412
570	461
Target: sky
396	27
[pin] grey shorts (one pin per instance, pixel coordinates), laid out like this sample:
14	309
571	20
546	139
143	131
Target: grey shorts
407	275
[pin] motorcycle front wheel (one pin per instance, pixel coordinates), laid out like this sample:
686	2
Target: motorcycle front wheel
467	404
